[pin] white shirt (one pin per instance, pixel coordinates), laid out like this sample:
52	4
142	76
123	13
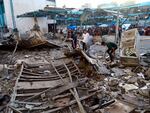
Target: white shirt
85	37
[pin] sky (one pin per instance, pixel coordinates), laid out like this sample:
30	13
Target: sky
94	3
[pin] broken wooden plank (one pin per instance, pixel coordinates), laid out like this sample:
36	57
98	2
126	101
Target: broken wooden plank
25	91
16	46
58	73
71	103
39	85
69	64
98	106
36	80
97	64
71	68
36	77
64	88
41	77
26	95
76	67
34	71
49	75
90	60
61	96
13	97
70	109
50	43
30	103
75	93
14	109
75	70
56	91
33	109
31	73
38	94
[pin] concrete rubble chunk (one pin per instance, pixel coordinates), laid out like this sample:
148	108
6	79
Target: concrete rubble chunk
144	92
118	72
128	87
97	51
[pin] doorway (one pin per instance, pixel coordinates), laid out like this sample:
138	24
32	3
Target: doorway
52	28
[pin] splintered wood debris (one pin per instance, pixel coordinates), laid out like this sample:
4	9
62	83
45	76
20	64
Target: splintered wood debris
35	91
47	81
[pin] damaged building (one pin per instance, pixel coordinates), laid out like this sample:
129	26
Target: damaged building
11	8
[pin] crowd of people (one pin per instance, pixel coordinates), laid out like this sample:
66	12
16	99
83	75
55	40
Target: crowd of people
143	31
84	38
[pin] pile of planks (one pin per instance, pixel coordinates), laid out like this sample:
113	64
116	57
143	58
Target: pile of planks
49	89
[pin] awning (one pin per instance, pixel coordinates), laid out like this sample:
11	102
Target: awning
42	13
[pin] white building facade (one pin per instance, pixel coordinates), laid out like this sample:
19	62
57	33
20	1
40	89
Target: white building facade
13	8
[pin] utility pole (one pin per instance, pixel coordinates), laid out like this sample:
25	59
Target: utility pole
12	14
117	26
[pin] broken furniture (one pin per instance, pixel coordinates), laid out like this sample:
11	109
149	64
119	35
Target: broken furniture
129	54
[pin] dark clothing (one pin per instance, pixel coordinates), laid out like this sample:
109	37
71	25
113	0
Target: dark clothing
111	45
141	32
111	50
84	46
110	53
74	40
147	32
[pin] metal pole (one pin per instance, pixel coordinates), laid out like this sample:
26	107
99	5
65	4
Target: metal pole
12	14
117	26
55	25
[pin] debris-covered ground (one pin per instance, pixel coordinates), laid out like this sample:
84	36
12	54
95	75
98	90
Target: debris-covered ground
45	86
62	80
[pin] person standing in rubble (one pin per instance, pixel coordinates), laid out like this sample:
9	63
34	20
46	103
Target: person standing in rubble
85	37
97	37
112	47
74	39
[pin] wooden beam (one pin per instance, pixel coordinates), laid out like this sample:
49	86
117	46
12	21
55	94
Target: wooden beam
14	109
71	103
56	91
39	85
75	93
13	97
33	109
61	96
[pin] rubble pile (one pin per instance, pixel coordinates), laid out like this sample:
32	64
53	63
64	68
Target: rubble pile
46	88
62	80
128	85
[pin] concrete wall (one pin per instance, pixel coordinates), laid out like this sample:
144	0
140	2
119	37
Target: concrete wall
143	44
21	7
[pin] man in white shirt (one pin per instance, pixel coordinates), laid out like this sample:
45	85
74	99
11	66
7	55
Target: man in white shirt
85	37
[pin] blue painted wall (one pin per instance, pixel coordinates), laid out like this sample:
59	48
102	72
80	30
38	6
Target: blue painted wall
2	15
